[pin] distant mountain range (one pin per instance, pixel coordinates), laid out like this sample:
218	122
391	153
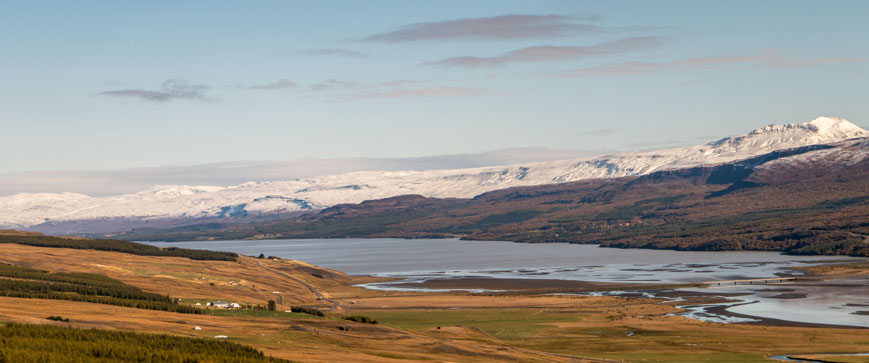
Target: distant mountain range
810	199
101	183
169	206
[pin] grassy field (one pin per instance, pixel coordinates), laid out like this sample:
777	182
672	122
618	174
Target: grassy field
618	333
500	323
245	281
39	240
846	269
463	327
38	284
260	314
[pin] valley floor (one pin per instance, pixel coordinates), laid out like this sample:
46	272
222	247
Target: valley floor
517	325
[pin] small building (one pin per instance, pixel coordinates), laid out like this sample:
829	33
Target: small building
224	305
197	328
220	337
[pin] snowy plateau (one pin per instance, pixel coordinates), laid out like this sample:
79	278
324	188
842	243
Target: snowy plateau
28	210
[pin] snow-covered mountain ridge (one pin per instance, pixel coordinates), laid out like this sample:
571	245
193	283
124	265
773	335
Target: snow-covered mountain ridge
25	210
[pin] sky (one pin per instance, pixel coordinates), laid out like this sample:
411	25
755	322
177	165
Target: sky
102	85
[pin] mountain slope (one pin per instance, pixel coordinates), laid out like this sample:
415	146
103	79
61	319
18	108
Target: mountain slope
804	200
265	198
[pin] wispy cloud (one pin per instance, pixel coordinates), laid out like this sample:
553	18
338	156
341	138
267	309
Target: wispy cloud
429	91
172	89
599	132
654	144
402	88
280	84
332	85
345	90
503	27
334	52
398	83
553	53
765	59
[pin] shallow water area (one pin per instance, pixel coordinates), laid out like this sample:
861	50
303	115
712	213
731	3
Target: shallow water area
790	358
442	258
837	301
419	260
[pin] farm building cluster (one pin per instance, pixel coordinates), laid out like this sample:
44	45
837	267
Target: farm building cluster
223	305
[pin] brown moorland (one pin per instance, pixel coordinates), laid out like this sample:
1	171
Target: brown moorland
520	326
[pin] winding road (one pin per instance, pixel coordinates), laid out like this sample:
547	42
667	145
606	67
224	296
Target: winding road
320	296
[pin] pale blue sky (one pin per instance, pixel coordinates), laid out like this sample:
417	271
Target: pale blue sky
107	85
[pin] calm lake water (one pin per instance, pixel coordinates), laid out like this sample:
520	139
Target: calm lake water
400	257
422	259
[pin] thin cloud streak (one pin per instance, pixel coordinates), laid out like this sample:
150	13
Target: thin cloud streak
343	90
431	91
172	89
546	53
335	52
280	84
503	27
599	132
767	59
332	85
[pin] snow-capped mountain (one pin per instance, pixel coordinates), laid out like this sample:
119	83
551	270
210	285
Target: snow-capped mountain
26	210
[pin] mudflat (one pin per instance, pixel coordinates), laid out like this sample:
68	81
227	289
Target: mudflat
565	286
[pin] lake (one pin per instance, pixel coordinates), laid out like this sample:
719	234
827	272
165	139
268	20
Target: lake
422	259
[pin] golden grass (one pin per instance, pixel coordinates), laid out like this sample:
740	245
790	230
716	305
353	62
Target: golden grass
246	281
841	269
309	340
515	327
12	232
618	329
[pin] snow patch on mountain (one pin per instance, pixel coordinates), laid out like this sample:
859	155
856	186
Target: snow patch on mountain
845	154
181	201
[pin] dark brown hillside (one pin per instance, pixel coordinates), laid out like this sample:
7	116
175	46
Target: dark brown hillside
763	203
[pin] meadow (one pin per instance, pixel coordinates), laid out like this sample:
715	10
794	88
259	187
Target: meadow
523	326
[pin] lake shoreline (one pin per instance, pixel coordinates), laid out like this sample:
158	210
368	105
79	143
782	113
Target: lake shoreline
496	267
527	285
671	295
